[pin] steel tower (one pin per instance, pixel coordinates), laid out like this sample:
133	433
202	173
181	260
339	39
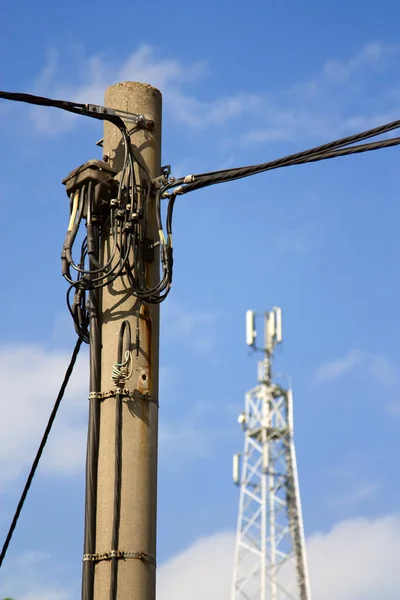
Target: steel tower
270	553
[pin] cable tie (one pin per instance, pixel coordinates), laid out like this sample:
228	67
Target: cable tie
132	395
122	371
161	236
178	190
120	554
189	179
136	118
110	394
96	396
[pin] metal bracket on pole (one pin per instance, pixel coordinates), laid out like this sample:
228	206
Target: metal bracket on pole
135	395
135	118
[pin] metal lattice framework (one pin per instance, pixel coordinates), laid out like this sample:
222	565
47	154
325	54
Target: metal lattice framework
270	555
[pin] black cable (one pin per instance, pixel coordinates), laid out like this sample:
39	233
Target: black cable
136	272
151	295
118	460
74	107
127	224
40	449
92	451
312	155
352	139
342	147
332	149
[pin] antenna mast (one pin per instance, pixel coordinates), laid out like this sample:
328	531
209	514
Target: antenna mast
270	553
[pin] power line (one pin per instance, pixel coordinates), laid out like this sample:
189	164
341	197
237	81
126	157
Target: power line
132	226
39	453
342	147
124	228
95	111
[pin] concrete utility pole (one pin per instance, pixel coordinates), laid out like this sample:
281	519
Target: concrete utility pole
136	577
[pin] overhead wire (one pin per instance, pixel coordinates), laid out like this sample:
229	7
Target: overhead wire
128	230
337	148
39	452
93	436
77	108
127	224
341	147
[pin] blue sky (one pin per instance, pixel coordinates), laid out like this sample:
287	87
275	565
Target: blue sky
241	84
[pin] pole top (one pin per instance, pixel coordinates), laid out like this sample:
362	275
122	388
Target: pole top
133	86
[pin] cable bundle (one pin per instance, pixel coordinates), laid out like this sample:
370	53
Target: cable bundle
123	221
342	147
128	215
127	223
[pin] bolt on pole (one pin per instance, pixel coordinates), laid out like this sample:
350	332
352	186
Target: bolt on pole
136	570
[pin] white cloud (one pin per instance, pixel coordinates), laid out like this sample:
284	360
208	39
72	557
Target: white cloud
191	437
66	452
359	494
322	107
379	368
358	558
169	75
28	577
336	368
201	571
368	57
30	377
195	329
393	409
181	442
382	371
295	241
46	594
351	483
317	107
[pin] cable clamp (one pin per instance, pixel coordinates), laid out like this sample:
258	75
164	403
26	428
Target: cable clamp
189	179
159	182
178	190
95	395
137	119
110	394
120	554
135	395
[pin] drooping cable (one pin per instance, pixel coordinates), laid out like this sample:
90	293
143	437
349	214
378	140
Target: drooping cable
132	226
92	451
125	224
121	372
40	450
129	228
